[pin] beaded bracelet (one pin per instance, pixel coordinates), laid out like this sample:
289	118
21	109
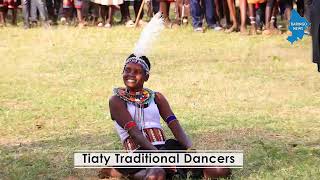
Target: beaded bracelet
170	118
129	125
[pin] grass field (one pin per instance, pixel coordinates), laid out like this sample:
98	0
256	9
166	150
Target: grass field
254	93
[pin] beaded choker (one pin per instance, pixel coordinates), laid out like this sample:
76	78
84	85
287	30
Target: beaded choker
142	97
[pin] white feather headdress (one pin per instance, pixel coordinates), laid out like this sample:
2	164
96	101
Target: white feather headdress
149	35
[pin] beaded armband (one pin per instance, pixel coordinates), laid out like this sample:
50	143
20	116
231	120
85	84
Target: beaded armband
129	125
170	118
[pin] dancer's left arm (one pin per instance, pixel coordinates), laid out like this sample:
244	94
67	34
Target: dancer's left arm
176	129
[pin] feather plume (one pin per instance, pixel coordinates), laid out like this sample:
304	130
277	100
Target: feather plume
148	35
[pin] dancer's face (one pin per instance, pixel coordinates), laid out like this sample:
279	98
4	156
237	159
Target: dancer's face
134	76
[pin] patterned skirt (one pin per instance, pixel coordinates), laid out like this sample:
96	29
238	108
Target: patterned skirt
154	135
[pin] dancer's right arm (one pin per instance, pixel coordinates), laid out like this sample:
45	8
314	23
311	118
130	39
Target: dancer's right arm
121	115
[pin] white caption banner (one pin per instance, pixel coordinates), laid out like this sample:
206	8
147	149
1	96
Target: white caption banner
143	159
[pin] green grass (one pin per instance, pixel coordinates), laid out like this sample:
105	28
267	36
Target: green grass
255	93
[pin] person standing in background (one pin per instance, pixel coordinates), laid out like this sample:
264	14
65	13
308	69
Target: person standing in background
155	6
183	11
125	13
5	6
288	6
2	13
13	6
39	5
307	9
315	31
232	11
53	7
252	15
197	12
106	12
271	17
68	6
243	16
26	13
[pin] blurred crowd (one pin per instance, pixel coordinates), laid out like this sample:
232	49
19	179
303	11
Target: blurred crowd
262	16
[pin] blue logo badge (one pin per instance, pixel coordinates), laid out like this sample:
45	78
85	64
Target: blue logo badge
297	25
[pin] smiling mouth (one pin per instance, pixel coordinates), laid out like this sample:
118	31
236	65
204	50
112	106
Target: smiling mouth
131	80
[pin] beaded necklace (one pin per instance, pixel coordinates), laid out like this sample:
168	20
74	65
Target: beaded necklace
140	100
142	97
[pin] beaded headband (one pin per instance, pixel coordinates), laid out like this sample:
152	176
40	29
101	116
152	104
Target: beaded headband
139	61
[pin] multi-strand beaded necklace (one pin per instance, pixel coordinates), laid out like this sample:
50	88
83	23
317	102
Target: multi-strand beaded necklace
140	100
